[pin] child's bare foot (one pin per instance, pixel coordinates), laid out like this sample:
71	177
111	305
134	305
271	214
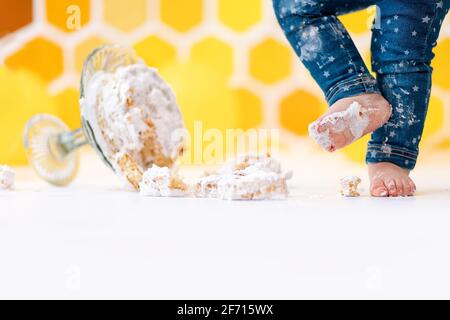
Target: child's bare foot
349	119
389	180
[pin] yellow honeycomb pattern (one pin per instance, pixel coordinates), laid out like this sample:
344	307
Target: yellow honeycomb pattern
227	60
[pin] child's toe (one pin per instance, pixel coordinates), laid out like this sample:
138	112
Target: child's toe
392	187
338	140
400	188
378	189
412	185
322	126
407	190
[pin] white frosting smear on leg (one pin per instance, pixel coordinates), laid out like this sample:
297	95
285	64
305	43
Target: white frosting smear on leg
354	118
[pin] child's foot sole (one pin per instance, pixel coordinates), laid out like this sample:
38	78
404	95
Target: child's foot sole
349	119
389	180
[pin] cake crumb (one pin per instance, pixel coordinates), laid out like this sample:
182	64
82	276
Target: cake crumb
248	177
7	177
349	186
162	182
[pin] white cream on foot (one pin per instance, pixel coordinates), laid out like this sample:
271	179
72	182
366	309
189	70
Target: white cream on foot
354	119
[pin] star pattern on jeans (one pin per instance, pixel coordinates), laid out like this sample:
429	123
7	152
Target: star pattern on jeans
405	97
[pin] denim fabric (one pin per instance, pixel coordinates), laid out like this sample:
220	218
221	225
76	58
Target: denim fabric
403	35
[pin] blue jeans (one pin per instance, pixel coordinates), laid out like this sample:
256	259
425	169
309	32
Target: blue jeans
403	35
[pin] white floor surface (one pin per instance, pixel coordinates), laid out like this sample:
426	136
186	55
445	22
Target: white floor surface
91	240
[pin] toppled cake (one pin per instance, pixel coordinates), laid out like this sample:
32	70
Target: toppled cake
246	178
7	177
161	182
349	186
134	116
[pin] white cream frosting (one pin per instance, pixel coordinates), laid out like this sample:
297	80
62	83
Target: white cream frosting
158	182
7	178
133	100
246	178
354	118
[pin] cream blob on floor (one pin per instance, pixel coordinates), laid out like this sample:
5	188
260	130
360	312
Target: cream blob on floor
7	177
92	240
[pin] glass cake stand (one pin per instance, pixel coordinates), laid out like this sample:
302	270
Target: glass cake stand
49	144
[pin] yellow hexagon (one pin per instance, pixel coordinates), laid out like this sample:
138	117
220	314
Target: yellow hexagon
68	107
356	151
435	118
444	144
207	103
22	95
40	56
270	61
19	14
68	15
155	51
181	15
441	64
214	53
360	21
125	15
299	109
240	15
85	47
250	108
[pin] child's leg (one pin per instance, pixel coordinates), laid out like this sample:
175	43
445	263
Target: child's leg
326	49
401	56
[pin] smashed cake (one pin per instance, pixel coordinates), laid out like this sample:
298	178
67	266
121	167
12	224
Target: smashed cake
135	117
162	182
248	177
